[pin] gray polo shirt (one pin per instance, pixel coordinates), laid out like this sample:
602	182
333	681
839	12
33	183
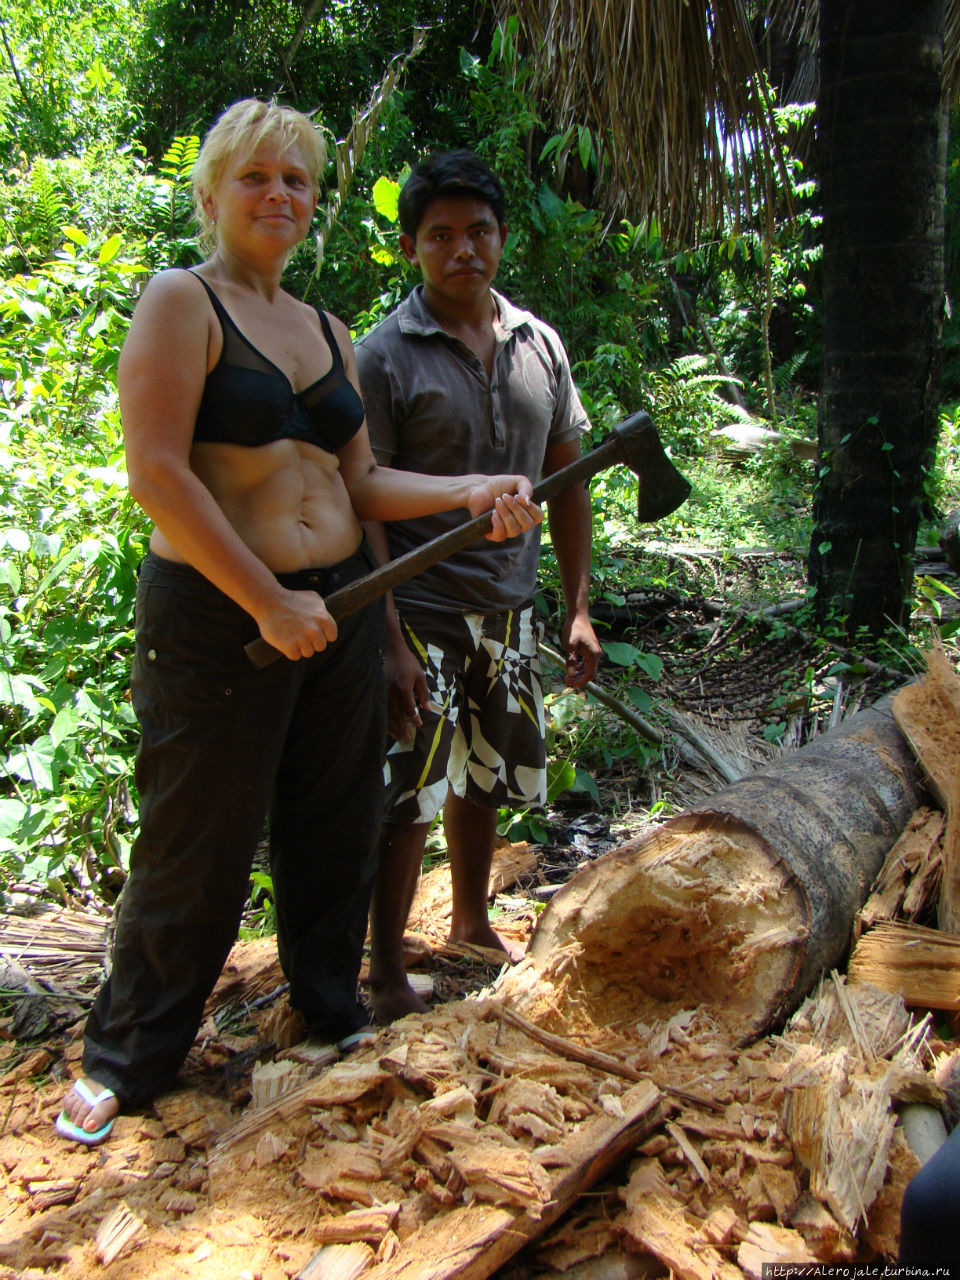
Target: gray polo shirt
432	407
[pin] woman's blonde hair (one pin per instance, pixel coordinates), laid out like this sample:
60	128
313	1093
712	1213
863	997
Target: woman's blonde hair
240	130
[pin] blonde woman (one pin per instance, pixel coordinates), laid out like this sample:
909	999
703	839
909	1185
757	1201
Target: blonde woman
247	447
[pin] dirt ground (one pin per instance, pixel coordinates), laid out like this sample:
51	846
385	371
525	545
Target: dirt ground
141	1205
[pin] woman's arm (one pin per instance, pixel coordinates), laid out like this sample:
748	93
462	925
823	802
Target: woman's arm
382	493
161	374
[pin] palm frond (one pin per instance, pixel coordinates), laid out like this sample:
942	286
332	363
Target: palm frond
800	19
677	94
349	150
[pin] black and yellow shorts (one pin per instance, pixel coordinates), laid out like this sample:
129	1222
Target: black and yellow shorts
484	734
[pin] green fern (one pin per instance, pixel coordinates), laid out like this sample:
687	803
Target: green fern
180	157
784	374
45	212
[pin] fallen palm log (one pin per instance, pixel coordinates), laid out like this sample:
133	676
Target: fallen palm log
736	906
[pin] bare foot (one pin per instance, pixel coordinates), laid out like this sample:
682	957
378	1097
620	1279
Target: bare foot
489	938
87	1117
392	999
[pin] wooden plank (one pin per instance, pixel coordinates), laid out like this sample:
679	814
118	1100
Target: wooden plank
922	965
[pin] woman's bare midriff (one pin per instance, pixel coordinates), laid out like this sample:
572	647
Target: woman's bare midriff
286	501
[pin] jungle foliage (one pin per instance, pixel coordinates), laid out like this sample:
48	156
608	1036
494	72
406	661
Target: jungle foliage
101	108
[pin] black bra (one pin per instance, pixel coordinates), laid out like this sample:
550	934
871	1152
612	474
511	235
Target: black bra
248	400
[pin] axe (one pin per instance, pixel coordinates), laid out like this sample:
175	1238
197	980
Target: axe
660	489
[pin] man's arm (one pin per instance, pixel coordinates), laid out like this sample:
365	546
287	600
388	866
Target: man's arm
571	528
406	684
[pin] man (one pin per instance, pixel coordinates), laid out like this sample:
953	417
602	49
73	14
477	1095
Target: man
457	379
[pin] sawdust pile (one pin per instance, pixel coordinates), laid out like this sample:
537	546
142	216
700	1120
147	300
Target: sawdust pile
465	1134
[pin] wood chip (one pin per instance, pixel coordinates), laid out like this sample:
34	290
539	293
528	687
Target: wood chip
338	1262
370	1225
119	1233
766	1244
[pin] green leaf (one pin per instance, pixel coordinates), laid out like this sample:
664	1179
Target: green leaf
34	310
17	539
109	250
561	776
21	691
468	62
12	813
36	765
651	664
262	880
584	782
550	203
98	76
640	699
77	236
64	724
623	654
585	146
52	575
10	574
538	831
386	195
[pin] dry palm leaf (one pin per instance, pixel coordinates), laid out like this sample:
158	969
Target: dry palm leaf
675	93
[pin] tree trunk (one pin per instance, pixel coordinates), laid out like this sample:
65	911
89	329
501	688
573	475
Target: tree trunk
882	132
740	904
950	540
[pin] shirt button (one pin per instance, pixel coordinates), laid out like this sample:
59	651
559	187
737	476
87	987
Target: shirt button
152	655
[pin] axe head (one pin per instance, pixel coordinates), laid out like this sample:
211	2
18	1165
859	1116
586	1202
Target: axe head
660	486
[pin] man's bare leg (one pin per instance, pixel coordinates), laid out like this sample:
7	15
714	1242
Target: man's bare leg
471	833
401	856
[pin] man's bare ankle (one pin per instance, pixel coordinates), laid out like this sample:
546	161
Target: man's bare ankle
484	935
393	999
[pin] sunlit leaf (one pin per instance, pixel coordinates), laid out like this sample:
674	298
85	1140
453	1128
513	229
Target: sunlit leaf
109	250
386	194
561	775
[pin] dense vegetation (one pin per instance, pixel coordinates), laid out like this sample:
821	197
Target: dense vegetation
101	105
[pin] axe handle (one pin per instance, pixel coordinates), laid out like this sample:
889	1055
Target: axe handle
361	591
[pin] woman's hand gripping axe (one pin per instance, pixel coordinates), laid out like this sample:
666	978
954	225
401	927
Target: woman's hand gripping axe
635	442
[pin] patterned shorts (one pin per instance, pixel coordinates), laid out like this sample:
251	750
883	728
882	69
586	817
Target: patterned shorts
484	737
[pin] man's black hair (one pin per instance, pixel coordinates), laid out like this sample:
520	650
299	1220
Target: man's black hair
448	173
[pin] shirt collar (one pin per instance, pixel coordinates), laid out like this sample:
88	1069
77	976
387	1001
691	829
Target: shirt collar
414	316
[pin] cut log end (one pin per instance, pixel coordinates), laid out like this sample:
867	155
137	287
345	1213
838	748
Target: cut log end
698	914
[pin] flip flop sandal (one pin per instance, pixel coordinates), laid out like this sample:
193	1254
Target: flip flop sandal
366	1035
66	1127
